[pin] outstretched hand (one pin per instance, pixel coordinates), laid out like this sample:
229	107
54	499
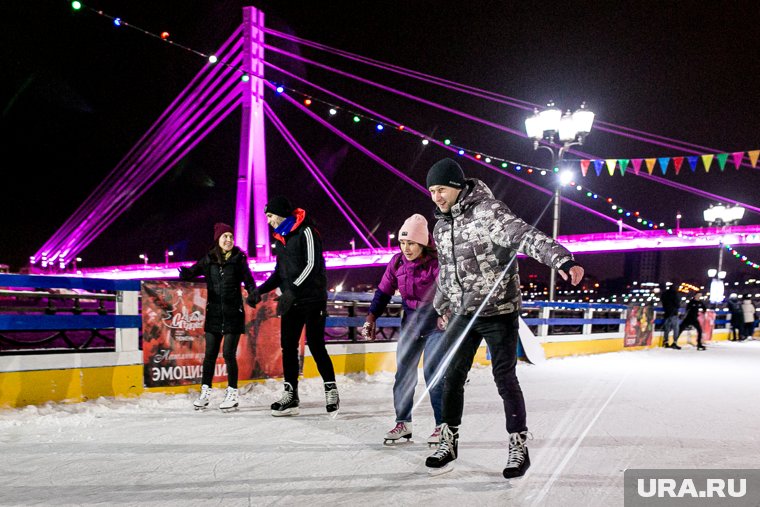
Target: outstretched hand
254	298
369	330
575	274
184	273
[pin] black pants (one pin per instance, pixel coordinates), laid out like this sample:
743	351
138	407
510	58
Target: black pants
213	341
500	333
692	322
311	315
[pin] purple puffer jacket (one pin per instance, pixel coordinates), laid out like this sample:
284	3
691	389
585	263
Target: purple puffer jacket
416	281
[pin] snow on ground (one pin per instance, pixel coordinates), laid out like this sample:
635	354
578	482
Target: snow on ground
592	417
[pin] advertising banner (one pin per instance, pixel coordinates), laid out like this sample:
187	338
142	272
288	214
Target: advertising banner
173	315
707	322
639	326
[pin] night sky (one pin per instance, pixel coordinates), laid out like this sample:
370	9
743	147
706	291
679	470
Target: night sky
77	93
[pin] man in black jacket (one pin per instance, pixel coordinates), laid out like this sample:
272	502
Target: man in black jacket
670	306
300	275
692	318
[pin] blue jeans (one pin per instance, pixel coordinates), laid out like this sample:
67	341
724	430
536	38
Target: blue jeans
670	324
408	352
501	334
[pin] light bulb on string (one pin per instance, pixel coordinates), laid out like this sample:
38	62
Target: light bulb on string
213	59
333	111
425	142
117	21
245	78
379	127
280	89
76	5
164	35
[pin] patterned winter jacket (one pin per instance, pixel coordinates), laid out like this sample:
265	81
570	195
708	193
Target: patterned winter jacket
477	241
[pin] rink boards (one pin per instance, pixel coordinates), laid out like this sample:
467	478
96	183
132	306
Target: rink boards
37	379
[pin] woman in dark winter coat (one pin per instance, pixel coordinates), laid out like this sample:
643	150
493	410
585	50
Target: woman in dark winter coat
224	267
413	272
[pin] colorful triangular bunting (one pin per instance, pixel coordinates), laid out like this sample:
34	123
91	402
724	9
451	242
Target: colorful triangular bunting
623	165
650	164
584	167
636	165
677	161
664	164
722	157
692	163
598	164
611	162
737	156
753	157
707	162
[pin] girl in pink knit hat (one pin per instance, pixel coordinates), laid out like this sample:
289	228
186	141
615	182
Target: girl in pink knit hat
413	272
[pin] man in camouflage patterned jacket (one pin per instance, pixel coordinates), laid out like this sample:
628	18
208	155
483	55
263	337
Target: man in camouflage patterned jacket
478	238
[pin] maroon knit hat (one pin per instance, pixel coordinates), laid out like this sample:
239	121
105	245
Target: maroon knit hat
219	229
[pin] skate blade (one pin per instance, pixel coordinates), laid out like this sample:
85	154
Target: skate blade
284	413
394	442
231	409
435	472
199	409
333	414
433	444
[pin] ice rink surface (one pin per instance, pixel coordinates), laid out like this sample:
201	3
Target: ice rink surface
591	417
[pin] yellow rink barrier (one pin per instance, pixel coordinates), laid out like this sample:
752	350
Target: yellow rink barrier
78	383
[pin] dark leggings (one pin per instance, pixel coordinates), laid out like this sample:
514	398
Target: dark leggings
311	315
213	341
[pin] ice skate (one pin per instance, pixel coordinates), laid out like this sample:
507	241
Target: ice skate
441	460
402	430
332	400
518	459
202	402
230	402
287	404
435	438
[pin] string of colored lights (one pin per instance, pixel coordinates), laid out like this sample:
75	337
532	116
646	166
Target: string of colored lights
233	67
352	218
492	96
381	125
742	258
488	123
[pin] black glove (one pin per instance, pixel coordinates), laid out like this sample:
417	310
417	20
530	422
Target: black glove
185	273
285	302
253	298
568	265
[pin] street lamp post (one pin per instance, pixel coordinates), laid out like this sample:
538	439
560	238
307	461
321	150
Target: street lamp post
390	237
571	129
720	216
167	253
144	258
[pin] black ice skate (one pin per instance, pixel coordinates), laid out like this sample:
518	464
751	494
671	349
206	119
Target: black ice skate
518	460
440	461
402	430
332	400
288	403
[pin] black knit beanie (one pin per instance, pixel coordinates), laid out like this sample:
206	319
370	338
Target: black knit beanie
279	206
446	172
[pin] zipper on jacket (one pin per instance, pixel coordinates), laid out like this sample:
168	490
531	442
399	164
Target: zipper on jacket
221	290
454	259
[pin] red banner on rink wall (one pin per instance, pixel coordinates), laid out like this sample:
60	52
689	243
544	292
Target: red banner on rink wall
639	326
173	316
707	323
